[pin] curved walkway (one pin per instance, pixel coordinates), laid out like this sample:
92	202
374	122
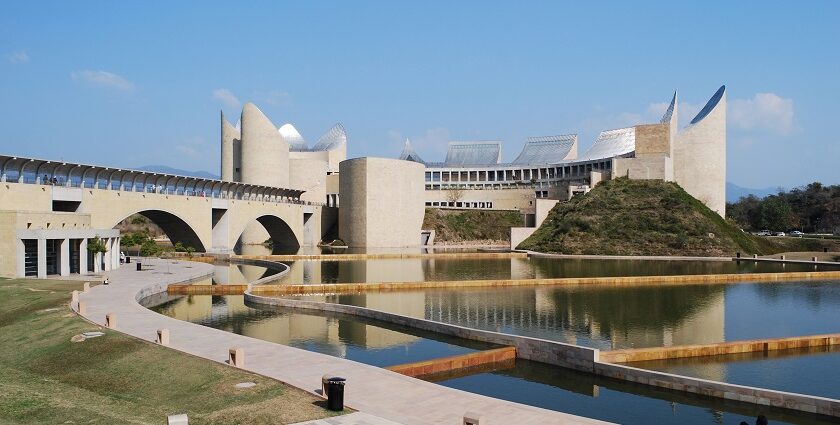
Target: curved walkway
386	395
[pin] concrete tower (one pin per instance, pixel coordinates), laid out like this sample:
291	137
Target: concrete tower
231	151
265	154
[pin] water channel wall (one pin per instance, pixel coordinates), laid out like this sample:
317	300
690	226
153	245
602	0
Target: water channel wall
456	363
381	256
734	347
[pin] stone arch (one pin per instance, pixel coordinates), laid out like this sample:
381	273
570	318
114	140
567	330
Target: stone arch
278	230
176	228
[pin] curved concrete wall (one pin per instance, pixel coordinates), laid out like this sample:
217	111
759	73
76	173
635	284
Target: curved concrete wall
381	202
230	151
700	158
265	154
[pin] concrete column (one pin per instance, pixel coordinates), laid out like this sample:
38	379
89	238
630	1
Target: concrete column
116	252
64	258
97	262
107	254
20	260
83	257
42	258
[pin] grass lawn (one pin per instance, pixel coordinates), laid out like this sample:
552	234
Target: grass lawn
46	378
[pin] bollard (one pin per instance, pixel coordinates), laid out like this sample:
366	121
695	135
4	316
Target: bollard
472	418
181	419
163	336
139	266
86	287
236	357
81	308
74	297
111	321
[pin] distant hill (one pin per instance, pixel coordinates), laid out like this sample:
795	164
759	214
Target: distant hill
169	170
735	192
645	217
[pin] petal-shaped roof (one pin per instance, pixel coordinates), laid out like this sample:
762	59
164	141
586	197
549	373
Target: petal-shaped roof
334	138
409	154
293	137
546	149
612	143
710	105
670	111
473	153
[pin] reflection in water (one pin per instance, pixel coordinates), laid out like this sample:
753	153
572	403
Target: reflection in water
337	335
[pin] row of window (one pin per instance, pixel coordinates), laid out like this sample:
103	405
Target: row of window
526	174
461	204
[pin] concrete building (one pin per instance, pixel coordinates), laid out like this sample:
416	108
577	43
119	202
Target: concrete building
474	176
381	202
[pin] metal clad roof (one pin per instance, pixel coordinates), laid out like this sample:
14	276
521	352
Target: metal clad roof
409	154
612	143
292	137
546	149
473	153
710	105
335	137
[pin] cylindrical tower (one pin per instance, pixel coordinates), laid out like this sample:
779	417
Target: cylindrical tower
265	154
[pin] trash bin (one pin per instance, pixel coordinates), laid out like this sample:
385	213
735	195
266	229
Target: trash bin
139	266
127	259
335	394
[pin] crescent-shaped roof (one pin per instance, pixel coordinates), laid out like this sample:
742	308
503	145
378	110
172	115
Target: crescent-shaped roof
710	105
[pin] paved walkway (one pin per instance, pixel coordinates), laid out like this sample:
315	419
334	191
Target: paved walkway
382	395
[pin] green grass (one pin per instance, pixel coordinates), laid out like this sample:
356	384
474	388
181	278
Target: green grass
649	217
46	378
479	226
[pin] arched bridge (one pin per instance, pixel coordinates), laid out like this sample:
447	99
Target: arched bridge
209	215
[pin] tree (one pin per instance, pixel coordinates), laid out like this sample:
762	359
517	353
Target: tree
454	195
776	214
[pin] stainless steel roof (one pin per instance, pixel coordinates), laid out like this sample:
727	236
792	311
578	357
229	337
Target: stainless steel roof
409	154
473	153
612	143
546	149
332	139
292	137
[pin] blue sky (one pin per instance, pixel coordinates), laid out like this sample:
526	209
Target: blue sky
130	84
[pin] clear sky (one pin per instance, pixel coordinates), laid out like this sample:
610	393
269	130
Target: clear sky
131	84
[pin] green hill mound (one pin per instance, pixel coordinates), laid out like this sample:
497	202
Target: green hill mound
641	217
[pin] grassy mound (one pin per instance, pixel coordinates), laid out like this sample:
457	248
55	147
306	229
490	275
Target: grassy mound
481	226
641	217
